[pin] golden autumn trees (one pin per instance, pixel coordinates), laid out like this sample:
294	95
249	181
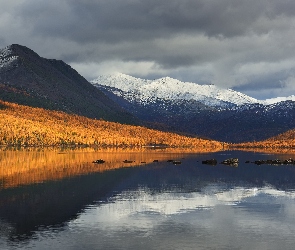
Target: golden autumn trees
26	126
284	141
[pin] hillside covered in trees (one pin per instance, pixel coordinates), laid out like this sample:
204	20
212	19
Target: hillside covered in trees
283	141
26	126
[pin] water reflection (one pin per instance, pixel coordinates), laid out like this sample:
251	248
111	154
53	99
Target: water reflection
27	166
235	219
152	205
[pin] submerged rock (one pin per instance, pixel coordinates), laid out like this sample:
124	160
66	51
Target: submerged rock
99	161
176	162
275	162
210	162
230	161
128	161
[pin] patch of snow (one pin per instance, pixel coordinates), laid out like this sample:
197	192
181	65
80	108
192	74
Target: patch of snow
279	99
7	57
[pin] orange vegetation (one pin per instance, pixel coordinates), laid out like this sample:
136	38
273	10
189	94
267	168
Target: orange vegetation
284	141
26	126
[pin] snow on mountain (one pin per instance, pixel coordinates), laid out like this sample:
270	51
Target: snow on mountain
6	57
279	99
170	89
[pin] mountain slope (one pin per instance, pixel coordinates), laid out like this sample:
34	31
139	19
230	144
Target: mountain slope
206	111
284	140
26	126
26	78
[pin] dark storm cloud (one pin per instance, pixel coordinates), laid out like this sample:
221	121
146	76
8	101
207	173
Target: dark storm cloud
231	43
263	86
274	81
116	21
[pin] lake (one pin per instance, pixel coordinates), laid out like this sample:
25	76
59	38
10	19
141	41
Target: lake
59	199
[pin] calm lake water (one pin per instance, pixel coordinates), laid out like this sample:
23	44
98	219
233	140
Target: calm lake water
51	199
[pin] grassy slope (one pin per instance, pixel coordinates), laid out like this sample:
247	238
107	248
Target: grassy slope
284	140
27	126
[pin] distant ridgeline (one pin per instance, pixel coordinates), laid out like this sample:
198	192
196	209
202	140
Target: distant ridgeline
28	79
204	110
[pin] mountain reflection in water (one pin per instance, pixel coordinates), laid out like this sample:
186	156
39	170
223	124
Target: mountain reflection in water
51	199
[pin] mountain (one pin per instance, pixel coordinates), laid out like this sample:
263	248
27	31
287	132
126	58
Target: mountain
203	110
26	78
147	91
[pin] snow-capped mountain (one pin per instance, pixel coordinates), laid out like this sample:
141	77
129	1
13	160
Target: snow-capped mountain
147	91
203	110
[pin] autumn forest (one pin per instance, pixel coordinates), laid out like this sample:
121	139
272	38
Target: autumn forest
26	126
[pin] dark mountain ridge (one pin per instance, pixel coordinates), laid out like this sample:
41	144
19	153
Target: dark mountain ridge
28	79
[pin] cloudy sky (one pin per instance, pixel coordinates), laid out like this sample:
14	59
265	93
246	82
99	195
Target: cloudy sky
248	45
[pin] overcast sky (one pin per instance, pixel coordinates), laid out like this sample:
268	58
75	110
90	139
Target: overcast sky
248	45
